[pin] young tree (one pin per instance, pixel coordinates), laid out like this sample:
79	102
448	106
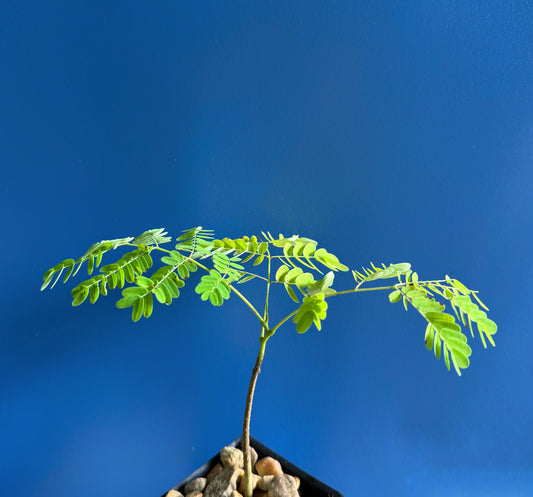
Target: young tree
295	263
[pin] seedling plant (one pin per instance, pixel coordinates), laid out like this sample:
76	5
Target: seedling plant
305	272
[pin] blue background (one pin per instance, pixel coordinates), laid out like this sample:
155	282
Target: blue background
386	131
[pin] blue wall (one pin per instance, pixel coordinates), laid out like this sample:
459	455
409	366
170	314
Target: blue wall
387	131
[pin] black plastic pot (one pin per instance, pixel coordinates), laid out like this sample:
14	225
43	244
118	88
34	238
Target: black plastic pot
309	486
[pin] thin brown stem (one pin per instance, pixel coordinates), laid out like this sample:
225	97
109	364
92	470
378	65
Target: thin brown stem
247	417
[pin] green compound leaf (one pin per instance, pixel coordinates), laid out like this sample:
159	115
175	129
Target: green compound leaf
486	327
197	241
57	270
152	237
166	284
443	334
228	267
213	287
376	273
94	254
312	310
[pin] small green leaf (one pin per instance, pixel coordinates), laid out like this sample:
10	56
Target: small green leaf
309	249
291	293
144	282
262	248
252	244
79	294
304	280
129	274
137	311
69	272
305	322
240	245
94	292
99	258
312	310
447	360
430	334
395	296
168	295
329	260
479	301
437	342
126	302
228	243
121	278
148	305
462	288
90	264
291	276
159	294
282	272
183	271
173	286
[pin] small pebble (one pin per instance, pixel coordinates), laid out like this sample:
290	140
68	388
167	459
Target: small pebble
224	483
253	456
215	470
230	456
196	484
283	486
173	493
268	466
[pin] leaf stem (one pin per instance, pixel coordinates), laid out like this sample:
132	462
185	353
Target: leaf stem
252	308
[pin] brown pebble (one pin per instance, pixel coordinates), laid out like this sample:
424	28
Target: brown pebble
196	484
283	486
173	493
215	470
268	466
230	456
